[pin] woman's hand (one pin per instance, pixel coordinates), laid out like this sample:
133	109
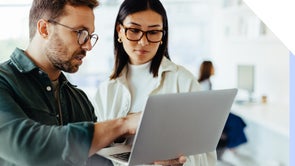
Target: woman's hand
173	162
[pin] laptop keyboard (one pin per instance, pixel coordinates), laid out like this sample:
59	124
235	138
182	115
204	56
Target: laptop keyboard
123	156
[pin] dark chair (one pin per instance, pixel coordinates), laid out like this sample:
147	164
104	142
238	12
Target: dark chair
233	134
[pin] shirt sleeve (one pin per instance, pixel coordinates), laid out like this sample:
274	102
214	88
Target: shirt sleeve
27	142
98	105
204	159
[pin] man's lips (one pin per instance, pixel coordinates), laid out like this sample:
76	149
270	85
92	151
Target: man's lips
80	57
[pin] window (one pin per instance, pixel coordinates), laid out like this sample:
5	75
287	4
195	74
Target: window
14	30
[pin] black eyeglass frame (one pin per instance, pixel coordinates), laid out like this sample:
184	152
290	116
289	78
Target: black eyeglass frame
79	32
143	33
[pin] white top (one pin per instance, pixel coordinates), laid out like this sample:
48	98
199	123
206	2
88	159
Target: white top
140	83
205	85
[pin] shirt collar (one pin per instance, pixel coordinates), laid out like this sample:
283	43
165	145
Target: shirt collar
24	64
21	61
166	65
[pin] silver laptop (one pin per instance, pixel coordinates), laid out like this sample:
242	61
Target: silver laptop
176	124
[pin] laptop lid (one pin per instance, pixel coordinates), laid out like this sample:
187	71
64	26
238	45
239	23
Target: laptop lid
181	124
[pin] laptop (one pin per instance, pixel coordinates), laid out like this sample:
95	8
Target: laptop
176	124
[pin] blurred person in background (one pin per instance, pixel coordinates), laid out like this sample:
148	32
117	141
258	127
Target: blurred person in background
205	73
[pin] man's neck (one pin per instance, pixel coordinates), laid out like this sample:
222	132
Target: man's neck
43	62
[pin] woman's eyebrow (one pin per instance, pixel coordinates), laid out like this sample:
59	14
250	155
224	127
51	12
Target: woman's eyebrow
150	26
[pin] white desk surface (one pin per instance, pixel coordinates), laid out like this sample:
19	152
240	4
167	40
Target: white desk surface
272	116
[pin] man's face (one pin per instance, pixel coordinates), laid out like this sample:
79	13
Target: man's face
62	48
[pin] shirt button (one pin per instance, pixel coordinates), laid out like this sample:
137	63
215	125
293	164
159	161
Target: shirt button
48	88
57	115
40	72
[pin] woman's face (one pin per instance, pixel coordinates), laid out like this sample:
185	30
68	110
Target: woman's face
143	50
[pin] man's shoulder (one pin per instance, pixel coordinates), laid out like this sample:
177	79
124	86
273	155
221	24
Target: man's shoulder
4	66
8	71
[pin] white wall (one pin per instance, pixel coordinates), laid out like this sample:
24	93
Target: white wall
267	53
271	60
271	65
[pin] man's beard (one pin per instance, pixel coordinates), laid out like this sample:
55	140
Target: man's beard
57	53
69	65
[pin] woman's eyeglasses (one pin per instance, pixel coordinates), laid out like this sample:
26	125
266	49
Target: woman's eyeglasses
134	34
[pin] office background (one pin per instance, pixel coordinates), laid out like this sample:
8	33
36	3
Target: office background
224	31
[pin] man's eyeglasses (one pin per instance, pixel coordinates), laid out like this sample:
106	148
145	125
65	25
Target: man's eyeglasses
134	34
82	34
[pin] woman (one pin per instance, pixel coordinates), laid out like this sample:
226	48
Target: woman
206	71
142	66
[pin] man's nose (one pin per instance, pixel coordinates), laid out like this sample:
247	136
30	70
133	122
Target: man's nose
87	46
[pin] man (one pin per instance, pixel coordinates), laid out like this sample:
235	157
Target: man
45	120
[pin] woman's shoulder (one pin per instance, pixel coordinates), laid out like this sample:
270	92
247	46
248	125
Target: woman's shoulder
110	83
182	71
176	68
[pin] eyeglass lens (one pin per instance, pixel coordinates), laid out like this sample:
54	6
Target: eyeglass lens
84	37
136	34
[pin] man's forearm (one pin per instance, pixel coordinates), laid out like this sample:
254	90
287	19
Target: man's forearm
105	133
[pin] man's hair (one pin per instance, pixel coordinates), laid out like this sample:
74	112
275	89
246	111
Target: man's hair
52	9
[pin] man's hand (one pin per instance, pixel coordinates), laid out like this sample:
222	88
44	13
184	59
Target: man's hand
106	132
173	162
132	122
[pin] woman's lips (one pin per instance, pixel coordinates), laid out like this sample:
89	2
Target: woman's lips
142	51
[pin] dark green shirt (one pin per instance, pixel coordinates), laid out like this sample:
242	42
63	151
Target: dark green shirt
31	133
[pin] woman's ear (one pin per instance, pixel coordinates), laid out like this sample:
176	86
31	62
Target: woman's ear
118	28
119	32
42	28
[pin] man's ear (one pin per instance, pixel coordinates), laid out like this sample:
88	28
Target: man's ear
42	28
